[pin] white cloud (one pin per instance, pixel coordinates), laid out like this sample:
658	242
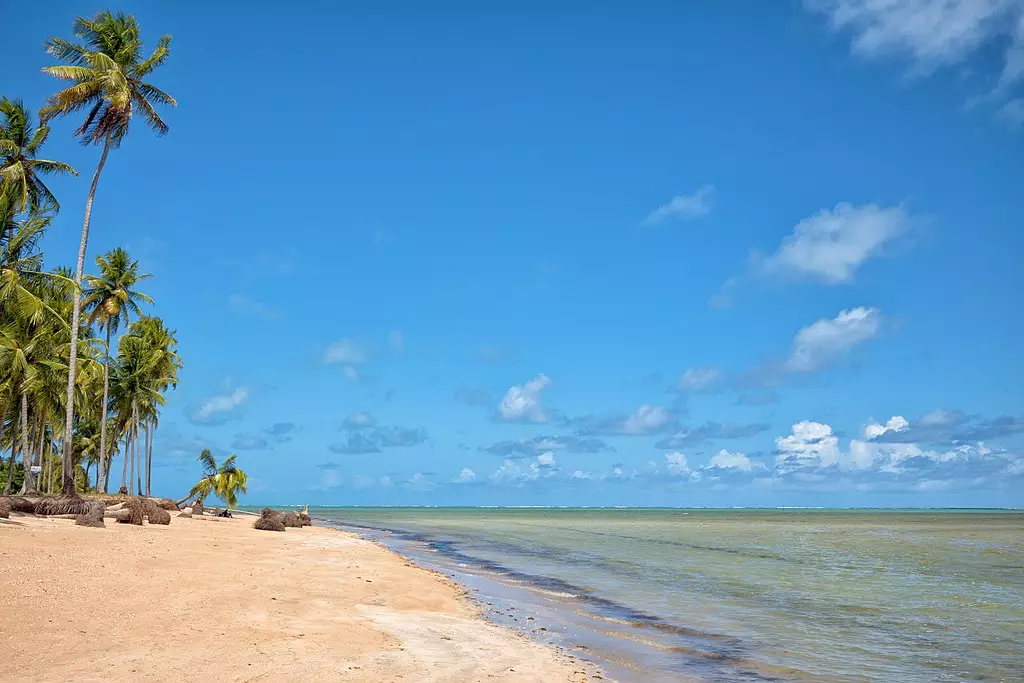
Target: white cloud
824	341
725	460
359	420
351	374
397	341
244	304
676	464
684	206
896	423
518	472
344	352
936	33
811	444
1016	467
546	459
831	245
386	481
698	380
216	407
465	476
933	33
523	403
646	419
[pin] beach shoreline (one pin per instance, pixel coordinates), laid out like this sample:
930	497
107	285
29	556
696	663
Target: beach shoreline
215	597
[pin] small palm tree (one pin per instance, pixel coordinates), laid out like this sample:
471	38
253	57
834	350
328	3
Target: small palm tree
106	72
110	299
224	481
21	172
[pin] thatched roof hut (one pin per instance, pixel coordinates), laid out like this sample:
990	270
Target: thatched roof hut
93	516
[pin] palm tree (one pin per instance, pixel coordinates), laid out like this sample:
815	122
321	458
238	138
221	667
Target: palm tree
109	300
20	170
163	346
224	481
107	72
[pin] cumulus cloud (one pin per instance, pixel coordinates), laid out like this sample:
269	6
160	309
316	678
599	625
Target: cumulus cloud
359	420
710	431
896	423
701	380
520	472
946	426
723	459
823	342
677	465
683	207
646	419
539	444
466	476
522	404
831	245
218	409
369	439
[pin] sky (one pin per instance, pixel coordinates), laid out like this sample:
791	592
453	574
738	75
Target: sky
681	254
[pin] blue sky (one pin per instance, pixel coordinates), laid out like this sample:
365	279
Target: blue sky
675	254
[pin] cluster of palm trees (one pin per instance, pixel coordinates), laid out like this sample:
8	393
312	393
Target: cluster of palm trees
68	401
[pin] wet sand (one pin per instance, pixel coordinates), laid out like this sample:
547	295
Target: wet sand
218	600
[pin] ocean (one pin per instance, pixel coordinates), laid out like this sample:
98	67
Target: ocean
738	595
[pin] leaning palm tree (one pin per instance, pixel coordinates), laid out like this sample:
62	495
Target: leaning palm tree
106	71
109	300
224	481
21	171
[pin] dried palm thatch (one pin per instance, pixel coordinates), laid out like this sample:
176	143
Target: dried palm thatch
197	508
155	513
291	519
269	521
304	518
93	516
19	504
5	507
167	504
70	505
136	512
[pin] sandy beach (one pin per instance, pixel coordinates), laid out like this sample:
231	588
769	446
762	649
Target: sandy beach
218	600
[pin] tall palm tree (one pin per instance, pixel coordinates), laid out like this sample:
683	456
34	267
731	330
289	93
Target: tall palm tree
106	71
110	299
163	345
224	481
21	170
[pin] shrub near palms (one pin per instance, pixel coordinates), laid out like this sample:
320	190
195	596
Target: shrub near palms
106	71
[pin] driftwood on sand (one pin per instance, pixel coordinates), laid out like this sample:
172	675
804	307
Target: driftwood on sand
93	516
270	520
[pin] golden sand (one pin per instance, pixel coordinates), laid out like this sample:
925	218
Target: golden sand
214	599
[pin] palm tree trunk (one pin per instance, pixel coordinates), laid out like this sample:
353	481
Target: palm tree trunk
138	452
131	457
103	412
149	459
68	476
124	460
37	452
26	455
10	464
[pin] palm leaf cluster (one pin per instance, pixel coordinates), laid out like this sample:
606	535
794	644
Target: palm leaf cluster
66	406
224	481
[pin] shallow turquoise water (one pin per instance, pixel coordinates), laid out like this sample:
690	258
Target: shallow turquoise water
748	595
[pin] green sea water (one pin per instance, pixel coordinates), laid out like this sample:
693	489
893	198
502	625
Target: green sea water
745	595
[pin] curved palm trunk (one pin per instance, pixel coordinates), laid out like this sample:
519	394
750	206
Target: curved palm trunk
10	462
29	483
68	476
103	415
